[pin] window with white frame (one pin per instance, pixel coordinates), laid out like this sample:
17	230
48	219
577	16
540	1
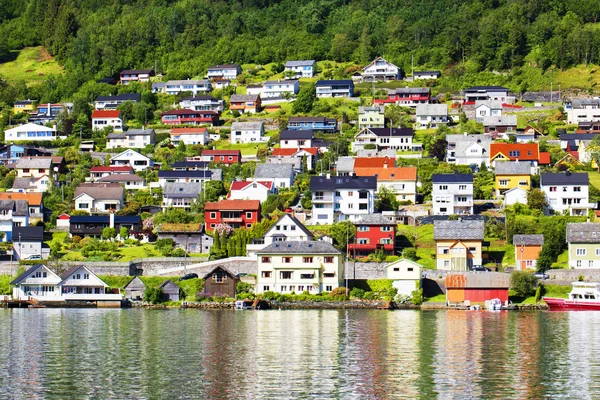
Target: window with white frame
580	252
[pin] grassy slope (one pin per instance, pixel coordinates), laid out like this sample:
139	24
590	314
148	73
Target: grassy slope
32	65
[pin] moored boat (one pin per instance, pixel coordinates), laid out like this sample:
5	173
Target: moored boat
583	296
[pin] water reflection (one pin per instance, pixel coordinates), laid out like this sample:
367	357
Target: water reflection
357	354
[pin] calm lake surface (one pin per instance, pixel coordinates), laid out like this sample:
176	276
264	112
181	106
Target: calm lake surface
354	354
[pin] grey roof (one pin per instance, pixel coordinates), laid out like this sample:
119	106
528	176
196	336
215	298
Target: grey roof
374	219
295	220
139	132
432	72
432	109
564	178
486	88
504	120
582	102
312	247
28	233
375	153
343	182
34	162
100	191
121	178
23	183
306	134
411	91
18	207
584	232
528	240
182	190
345	164
458	230
217	174
247	125
469	138
158	85
512	168
264	171
364	109
299	63
493	104
243	97
135	284
189	82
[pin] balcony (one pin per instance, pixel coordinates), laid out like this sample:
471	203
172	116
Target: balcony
328	198
234	219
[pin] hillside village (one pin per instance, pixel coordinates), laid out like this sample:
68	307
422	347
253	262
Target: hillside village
299	173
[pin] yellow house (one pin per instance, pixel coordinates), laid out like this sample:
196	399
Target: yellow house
24	106
512	174
459	244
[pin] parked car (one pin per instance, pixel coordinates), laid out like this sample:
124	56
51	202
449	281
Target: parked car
541	275
481	269
34	257
188	276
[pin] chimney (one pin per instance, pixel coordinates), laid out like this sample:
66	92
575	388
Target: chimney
328	176
385	164
49	113
111	219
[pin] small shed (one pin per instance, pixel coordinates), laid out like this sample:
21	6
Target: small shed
406	275
63	222
220	281
477	287
134	290
170	291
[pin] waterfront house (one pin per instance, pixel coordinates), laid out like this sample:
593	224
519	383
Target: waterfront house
133	138
134	290
132	158
381	70
189	237
373	233
458	244
426	75
245	103
567	191
297	266
452	194
99	197
189	117
408	97
282	175
235	213
582	110
431	116
30	132
13	213
496	93
220	281
385	138
405	275
487	108
319	124
107	119
170	291
505	124
201	103
402	181
224	71
527	250
335	88
301	68
222	156
296	139
511	174
136	75
112	102
29	241
247	132
251	190
583	241
93	225
180	194
472	150
338	198
129	181
477	288
189	136
287	228
371	117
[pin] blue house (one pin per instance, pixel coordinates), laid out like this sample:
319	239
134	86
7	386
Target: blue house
10	153
335	88
312	123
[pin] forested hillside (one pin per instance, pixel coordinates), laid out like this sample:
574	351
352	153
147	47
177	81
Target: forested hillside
181	38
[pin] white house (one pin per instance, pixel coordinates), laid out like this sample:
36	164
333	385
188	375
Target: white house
189	136
385	138
298	266
468	149
405	274
133	138
496	93
30	131
112	102
99	197
342	198
582	110
33	167
431	115
247	132
202	103
302	68
31	184
186	176
282	175
129	181
514	196
107	118
487	108
426	75
381	69
137	161
224	71
279	89
28	242
190	85
180	194
371	117
296	139
452	194
567	191
12	213
251	190
335	88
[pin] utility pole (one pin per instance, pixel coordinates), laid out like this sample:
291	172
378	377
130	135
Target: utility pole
550	92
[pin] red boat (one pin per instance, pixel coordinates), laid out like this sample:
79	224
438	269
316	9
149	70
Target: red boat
585	296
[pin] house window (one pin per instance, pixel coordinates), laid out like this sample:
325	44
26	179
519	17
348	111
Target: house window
266	274
410	269
553	188
219	276
266	259
396	269
577	189
514	153
443	187
579	263
307	260
83	206
285	275
86	276
213	215
522	183
328	288
598	252
363	228
462	187
591	263
363	241
248	215
362	206
286	260
350	194
307	276
446	263
329	275
580	252
266	288
503	182
328	260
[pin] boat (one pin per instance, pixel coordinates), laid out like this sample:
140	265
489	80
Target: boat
493	305
583	296
243	304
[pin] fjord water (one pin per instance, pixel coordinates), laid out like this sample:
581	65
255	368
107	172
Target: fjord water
352	354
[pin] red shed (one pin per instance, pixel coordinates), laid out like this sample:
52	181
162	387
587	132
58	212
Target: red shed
477	287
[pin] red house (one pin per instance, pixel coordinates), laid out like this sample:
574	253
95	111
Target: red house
222	156
189	117
476	287
406	97
235	213
373	232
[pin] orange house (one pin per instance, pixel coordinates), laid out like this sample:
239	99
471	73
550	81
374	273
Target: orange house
245	103
527	250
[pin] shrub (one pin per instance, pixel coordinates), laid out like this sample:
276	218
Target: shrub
202	297
109	233
417	297
402	298
177	253
153	295
245	295
243	287
523	283
358	293
410	253
270	295
338	291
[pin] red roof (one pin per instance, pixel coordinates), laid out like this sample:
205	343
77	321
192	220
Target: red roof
188	112
284	152
106	114
233	205
239	185
222	153
373	162
114	168
527	151
64	216
187	131
544	158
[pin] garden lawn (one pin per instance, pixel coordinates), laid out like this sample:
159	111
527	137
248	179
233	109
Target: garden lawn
131	253
32	65
594	177
440	298
247	149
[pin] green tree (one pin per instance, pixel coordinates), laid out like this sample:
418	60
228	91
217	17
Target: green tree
386	200
153	295
109	233
536	199
523	283
305	101
342	234
124	232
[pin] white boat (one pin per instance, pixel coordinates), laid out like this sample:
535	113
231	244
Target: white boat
493	305
583	296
